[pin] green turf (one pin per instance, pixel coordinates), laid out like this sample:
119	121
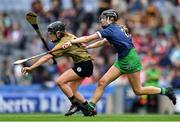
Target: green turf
58	117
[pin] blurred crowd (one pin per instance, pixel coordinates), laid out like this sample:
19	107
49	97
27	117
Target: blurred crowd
154	26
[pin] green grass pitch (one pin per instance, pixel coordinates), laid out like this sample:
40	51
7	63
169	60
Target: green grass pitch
79	118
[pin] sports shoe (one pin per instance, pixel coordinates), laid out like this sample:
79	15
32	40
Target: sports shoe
89	109
171	95
92	113
72	110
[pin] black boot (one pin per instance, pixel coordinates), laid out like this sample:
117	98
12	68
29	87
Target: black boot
89	109
72	110
171	95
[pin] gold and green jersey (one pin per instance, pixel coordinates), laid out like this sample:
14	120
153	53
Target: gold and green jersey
76	51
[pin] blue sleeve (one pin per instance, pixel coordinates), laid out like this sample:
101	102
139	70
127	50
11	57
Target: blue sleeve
105	33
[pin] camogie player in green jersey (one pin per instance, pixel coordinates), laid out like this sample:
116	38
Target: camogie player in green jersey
128	61
72	78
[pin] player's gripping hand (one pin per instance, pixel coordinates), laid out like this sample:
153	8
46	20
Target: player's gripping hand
66	45
25	70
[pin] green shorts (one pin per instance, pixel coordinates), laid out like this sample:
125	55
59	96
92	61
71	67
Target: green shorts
130	63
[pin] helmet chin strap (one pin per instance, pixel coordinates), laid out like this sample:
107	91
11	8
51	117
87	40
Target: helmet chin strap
57	39
104	27
108	20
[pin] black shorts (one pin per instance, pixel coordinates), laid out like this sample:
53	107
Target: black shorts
83	69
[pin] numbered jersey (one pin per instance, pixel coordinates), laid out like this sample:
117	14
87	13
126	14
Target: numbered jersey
116	36
76	51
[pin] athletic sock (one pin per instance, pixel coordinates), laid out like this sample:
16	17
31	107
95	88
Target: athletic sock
164	91
85	103
92	104
73	100
76	103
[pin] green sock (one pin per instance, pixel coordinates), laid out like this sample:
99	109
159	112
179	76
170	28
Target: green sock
164	91
90	106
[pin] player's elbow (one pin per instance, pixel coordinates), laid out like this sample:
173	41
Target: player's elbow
138	91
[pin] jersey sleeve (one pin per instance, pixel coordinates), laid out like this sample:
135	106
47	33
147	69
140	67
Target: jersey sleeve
105	33
59	52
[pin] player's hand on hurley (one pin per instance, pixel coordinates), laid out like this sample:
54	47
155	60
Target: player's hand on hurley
66	45
25	70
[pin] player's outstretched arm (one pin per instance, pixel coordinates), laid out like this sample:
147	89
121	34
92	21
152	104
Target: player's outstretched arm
41	61
83	39
97	44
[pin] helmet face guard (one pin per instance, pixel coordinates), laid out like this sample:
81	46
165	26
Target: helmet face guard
50	31
102	17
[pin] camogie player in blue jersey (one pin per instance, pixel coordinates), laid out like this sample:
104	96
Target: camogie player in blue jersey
128	61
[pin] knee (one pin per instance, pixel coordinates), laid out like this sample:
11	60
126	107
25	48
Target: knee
74	90
60	82
102	83
138	91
